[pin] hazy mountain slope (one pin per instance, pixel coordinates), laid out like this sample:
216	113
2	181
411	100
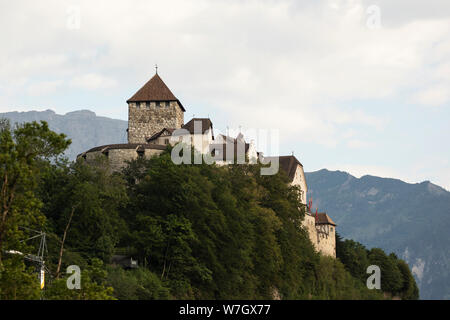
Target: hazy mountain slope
413	220
84	128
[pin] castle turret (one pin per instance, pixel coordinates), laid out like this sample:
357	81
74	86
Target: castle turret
152	108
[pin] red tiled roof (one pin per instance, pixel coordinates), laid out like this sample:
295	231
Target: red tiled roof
323	218
154	90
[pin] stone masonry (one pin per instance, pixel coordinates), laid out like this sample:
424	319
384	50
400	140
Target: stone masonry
147	118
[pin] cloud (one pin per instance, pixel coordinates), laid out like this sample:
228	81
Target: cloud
44	87
358	144
434	96
92	81
312	70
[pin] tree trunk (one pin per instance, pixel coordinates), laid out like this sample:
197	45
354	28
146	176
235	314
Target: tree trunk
62	243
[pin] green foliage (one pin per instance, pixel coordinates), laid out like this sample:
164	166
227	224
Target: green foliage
396	278
391	278
18	281
23	151
409	290
198	231
93	285
336	283
95	196
354	256
140	284
213	232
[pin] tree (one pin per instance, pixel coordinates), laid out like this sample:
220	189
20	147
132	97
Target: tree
93	285
409	290
139	284
23	151
90	198
354	256
212	232
391	277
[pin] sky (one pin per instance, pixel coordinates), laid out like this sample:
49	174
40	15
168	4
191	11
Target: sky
352	85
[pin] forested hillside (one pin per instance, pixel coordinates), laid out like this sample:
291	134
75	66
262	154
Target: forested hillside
197	231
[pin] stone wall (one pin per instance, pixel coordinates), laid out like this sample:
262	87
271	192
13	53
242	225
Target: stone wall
326	243
323	242
309	223
145	121
117	157
300	180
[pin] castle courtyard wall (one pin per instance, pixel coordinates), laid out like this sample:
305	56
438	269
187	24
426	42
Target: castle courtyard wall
117	157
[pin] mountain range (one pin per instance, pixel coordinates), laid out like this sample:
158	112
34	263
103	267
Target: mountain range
84	127
411	220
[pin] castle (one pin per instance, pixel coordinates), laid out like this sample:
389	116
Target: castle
155	115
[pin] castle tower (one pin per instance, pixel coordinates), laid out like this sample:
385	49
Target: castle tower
151	109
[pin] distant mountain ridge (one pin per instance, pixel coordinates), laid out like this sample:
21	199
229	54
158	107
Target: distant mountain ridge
84	127
412	220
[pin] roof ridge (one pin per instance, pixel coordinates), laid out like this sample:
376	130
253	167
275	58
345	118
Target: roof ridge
154	90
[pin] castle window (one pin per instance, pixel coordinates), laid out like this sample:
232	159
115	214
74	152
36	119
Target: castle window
167	104
158	104
138	104
147	104
166	141
140	153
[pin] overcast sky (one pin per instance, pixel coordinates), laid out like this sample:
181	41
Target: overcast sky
359	86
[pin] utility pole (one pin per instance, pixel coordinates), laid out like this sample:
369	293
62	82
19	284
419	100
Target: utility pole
37	259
